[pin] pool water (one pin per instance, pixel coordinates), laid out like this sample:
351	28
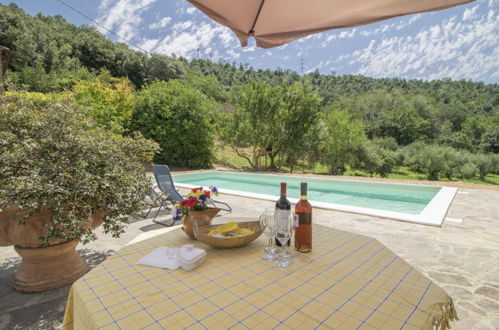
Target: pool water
401	198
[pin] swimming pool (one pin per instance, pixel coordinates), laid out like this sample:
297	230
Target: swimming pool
407	202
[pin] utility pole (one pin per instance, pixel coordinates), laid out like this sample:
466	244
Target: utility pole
302	65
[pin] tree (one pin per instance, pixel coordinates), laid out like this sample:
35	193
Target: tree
160	67
255	123
374	158
433	160
176	116
484	163
343	139
298	114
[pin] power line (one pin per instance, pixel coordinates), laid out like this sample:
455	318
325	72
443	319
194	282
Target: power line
102	26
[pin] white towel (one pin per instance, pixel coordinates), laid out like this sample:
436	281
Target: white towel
162	257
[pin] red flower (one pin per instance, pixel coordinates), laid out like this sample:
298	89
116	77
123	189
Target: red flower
191	202
196	189
183	202
207	194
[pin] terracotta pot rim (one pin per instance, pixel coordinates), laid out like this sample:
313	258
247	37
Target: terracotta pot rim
208	209
44	247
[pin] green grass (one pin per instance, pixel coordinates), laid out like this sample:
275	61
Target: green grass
226	157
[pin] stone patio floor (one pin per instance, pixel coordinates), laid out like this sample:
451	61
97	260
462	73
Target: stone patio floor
463	258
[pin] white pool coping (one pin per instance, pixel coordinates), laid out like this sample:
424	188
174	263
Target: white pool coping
433	214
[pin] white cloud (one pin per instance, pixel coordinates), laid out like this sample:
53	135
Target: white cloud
233	54
249	49
331	37
316	36
456	49
182	26
123	16
344	57
190	10
227	37
161	23
186	38
406	22
321	64
470	13
348	33
149	44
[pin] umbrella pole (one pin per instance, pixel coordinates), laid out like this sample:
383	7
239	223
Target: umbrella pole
252	31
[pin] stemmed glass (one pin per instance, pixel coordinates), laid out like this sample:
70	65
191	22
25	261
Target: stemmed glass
288	253
267	223
284	225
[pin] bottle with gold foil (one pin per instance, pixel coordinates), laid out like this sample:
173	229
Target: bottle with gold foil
303	232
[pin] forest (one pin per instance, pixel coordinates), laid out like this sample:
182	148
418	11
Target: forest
204	113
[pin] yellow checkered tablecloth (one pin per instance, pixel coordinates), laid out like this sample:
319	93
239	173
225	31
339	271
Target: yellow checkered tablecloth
348	281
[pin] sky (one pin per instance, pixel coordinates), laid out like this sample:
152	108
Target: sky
457	43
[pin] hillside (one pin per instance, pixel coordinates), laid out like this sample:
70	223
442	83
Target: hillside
51	55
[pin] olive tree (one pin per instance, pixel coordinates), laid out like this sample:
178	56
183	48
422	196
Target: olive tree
255	123
343	139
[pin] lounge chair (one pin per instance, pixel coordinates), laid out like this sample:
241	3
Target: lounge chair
165	184
157	198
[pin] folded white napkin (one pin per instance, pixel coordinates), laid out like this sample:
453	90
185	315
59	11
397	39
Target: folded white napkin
162	257
187	256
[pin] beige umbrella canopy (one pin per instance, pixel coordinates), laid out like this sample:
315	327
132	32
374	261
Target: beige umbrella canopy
276	22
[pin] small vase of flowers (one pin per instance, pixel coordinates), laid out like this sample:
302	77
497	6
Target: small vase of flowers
194	208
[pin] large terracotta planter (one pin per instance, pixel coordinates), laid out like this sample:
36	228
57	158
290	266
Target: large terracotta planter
48	268
202	218
41	268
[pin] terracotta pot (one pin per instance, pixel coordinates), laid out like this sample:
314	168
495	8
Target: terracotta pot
36	226
48	268
41	268
202	218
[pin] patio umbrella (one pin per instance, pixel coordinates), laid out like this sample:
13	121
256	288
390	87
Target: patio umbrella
276	22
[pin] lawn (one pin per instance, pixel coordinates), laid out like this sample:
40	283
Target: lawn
226	157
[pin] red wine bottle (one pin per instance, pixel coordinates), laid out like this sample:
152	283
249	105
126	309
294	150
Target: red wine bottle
282	204
303	233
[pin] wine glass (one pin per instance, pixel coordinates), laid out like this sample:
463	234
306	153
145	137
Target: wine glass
284	224
290	253
268	226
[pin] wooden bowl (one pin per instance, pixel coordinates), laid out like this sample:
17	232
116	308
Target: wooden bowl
227	243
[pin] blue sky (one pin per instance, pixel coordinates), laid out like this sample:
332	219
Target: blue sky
457	43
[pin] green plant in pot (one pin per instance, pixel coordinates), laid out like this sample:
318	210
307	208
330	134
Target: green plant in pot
61	176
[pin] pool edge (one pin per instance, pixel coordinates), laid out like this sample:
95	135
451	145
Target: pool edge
432	215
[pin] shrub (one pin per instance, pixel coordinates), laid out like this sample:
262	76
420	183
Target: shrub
468	171
375	159
429	159
175	116
54	156
484	163
108	100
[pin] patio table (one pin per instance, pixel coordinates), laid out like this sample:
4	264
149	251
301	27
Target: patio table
348	281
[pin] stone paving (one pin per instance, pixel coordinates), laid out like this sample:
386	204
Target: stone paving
461	258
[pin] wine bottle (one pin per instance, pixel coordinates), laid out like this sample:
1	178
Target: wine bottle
303	233
282	204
